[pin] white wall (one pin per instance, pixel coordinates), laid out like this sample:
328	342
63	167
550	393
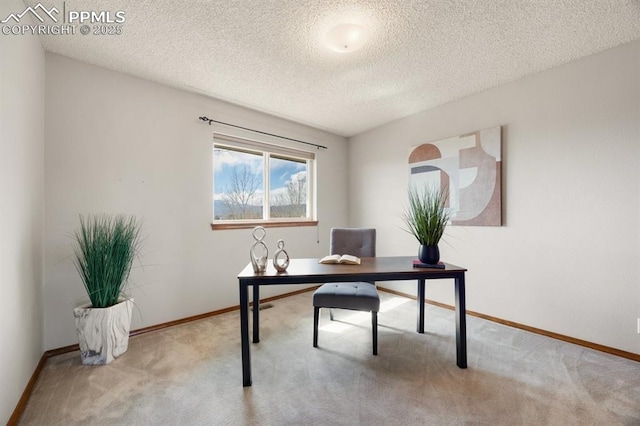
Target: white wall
567	258
21	210
118	144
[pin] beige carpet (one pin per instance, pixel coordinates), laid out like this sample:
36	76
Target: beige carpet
191	375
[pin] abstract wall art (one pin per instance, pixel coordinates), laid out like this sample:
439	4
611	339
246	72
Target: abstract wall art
469	167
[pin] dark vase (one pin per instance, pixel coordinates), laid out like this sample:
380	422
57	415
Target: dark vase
429	254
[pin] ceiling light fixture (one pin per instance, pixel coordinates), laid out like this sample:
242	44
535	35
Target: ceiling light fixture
346	38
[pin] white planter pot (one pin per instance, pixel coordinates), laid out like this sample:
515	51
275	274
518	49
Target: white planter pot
103	333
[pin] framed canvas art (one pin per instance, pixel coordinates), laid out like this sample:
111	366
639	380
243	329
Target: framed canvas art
469	166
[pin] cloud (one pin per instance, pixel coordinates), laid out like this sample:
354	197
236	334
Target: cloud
297	177
294	178
224	157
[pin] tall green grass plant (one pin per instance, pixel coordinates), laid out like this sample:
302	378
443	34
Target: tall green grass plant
426	216
105	248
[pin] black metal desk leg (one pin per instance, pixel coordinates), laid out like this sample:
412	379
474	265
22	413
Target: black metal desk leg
256	313
244	334
421	305
461	323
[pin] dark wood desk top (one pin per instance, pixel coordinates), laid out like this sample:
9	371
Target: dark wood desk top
371	269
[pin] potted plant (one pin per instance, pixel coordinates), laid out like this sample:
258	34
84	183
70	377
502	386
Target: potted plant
104	250
426	218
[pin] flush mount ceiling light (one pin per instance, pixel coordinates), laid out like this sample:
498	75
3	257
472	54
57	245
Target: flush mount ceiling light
346	38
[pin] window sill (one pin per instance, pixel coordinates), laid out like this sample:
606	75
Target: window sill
269	224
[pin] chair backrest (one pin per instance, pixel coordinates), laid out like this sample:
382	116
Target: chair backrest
359	242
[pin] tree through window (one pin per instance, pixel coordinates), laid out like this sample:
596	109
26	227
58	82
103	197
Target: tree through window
255	182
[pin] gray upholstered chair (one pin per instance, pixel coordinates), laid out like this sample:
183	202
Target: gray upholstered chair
360	296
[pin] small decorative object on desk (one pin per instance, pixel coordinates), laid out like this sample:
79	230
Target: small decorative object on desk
346	259
281	265
259	252
418	264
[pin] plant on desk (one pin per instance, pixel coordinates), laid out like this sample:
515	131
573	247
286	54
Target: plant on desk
426	218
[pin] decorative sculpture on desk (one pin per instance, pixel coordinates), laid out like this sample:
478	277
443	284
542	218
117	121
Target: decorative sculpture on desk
281	265
259	252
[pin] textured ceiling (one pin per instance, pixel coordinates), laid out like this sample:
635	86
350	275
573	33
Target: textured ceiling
269	54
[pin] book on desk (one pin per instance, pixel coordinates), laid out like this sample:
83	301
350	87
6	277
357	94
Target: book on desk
418	264
345	259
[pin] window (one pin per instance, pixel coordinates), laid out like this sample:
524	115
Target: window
255	183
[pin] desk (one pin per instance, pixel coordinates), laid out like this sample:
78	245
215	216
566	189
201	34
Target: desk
309	271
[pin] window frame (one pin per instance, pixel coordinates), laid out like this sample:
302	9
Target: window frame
267	150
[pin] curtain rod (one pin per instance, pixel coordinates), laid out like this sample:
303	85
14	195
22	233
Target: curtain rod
264	133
